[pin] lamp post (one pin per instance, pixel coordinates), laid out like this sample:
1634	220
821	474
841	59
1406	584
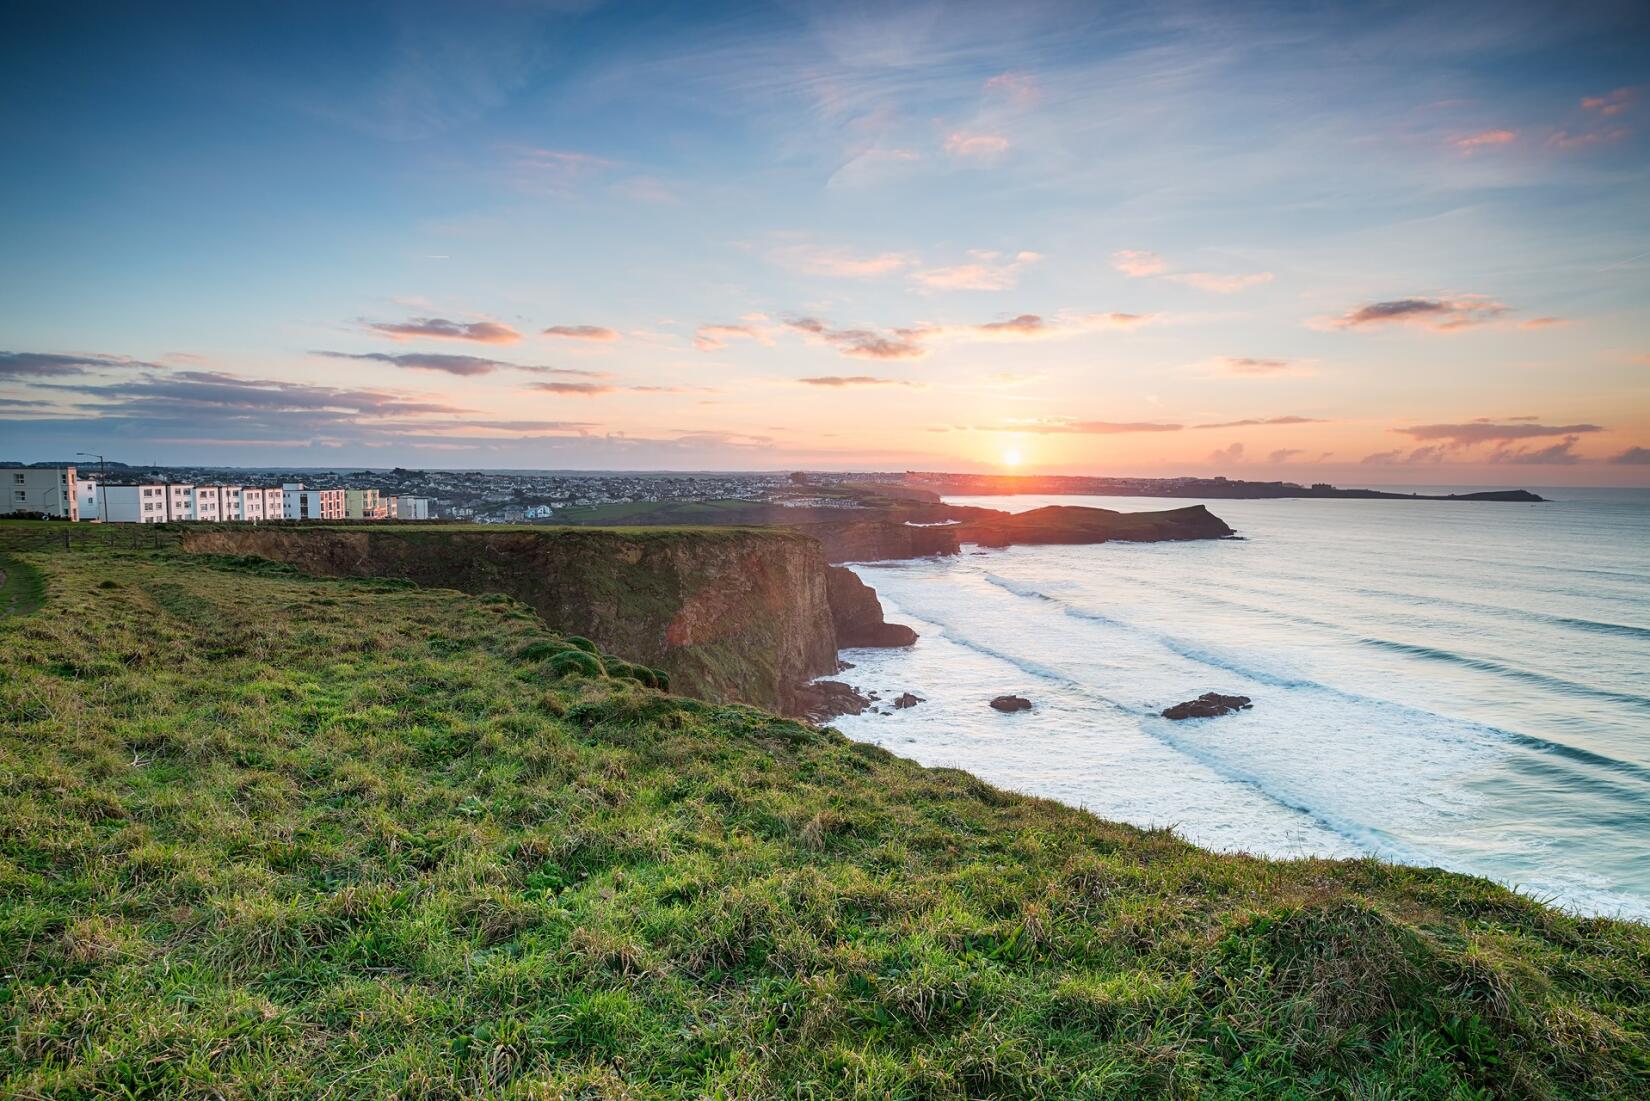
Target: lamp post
102	485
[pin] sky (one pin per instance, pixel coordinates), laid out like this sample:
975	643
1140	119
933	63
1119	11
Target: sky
1382	243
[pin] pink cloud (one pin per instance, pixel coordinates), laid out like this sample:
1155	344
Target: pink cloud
1221	284
839	381
1544	323
960	143
439	328
595	333
581	389
988	273
1485	139
1254	367
1018	88
1611	103
839	263
1437	314
1138	263
710	338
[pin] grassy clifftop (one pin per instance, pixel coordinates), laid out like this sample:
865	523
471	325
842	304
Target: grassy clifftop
270	836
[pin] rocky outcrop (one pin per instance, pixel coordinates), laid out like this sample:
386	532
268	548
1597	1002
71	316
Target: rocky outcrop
730	614
1080	524
823	700
856	613
1011	703
1207	706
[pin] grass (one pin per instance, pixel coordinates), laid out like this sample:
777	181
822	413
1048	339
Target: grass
268	836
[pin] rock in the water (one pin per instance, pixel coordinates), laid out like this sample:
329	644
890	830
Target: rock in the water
857	614
823	700
1207	706
1011	703
907	699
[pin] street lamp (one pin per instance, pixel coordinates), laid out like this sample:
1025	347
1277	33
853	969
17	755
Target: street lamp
102	485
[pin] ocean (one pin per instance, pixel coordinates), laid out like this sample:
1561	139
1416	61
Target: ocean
1462	685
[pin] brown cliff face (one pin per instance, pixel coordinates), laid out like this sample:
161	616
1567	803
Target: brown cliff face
1081	524
731	614
857	613
879	540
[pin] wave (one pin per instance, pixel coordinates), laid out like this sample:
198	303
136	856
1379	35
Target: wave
1512	672
1214	659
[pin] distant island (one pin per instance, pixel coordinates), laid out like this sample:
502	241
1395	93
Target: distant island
1218	487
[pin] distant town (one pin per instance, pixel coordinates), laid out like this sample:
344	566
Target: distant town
113	492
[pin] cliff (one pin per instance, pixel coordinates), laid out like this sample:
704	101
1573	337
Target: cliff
875	540
732	614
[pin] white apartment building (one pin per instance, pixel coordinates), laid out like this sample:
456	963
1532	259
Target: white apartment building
50	490
145	504
205	503
180	503
313	504
363	504
262	503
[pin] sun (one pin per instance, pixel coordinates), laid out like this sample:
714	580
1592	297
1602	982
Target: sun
1012	457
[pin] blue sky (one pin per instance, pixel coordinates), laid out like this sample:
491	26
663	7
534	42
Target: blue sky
1377	243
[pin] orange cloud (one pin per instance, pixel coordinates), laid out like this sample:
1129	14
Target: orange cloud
582	389
1612	103
1253	367
838	381
1544	323
1221	284
710	338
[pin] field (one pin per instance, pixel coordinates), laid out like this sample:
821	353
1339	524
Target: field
268	836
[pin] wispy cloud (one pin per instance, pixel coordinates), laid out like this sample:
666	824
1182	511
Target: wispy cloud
862	343
1633	456
1145	264
595	333
19	365
440	328
1019	89
1256	367
1138	263
1544	323
1231	453
1611	103
710	338
578	389
1481	431
1484	139
1063	426
963	144
1437	314
839	263
463	366
840	381
1253	422
988	271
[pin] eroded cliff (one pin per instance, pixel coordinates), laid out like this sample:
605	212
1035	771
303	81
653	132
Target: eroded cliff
732	614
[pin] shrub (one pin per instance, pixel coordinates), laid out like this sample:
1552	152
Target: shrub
576	663
578	642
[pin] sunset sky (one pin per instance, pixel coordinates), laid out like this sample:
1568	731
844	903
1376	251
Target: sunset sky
1372	243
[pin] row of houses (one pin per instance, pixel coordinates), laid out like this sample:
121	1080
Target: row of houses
57	491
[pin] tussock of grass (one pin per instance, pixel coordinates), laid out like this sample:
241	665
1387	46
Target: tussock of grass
269	836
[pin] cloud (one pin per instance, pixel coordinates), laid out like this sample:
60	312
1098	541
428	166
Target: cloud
839	263
1018	88
960	143
439	328
17	365
1438	314
862	343
582	332
988	273
1284	454
1611	103
1559	454
1544	323
1252	367
710	338
1062	426
1231	453
1252	422
1138	264
1633	456
1485	139
1221	284
555	170
839	381
581	389
463	366
1477	432
1569	141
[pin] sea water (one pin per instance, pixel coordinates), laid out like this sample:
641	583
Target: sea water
1465	685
